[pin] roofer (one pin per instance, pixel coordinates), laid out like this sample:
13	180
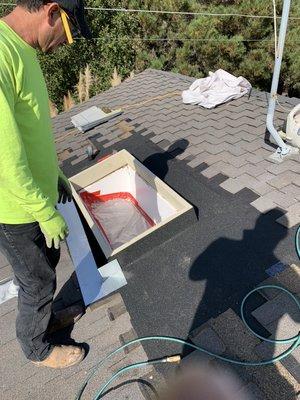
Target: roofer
31	182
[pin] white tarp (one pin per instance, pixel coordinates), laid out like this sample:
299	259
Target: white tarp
126	179
120	220
219	87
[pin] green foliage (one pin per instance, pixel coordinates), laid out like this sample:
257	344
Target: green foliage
113	49
195	45
4	10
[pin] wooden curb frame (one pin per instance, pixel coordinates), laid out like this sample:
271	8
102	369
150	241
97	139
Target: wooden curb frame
119	160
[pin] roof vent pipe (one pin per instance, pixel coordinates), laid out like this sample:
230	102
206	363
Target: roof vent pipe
283	150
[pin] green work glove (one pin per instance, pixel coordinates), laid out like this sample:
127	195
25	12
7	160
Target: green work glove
55	230
64	189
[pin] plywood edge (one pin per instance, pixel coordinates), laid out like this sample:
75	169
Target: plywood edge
120	160
99	170
110	165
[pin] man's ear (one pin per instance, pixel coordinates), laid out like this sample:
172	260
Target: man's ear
52	10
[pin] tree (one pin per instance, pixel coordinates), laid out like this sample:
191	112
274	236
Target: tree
111	49
195	45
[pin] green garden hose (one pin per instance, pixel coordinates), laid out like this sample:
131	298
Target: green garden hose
294	341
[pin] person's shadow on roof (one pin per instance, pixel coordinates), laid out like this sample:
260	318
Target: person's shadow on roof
226	266
158	162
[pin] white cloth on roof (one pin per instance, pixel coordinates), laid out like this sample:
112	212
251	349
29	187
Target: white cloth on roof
217	88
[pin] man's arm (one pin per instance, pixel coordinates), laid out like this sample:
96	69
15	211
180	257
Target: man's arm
15	174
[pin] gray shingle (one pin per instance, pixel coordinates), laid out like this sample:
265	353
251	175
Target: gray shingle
275	309
232	133
21	379
6	272
3	260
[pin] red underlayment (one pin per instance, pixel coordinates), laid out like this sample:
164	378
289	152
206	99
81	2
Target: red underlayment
118	215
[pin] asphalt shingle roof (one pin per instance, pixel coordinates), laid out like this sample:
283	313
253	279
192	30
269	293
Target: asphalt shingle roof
225	172
229	139
101	331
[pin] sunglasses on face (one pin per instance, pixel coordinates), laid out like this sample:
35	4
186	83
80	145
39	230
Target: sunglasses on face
70	26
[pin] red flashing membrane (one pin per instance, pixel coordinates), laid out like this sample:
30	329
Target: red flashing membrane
91	200
104	158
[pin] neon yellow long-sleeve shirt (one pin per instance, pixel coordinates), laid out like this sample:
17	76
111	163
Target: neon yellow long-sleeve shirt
28	161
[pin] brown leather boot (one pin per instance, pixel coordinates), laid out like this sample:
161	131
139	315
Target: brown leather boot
62	357
64	318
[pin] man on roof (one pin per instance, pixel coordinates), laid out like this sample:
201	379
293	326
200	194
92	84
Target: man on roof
31	182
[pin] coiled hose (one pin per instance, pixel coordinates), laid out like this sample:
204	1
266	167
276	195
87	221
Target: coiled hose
294	341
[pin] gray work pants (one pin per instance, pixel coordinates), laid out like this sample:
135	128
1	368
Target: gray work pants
34	268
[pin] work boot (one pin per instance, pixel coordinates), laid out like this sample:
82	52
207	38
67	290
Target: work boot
62	357
64	318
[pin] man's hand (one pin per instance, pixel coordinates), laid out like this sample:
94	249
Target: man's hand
55	230
64	189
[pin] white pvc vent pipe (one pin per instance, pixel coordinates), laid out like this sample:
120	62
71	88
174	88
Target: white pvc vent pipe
284	149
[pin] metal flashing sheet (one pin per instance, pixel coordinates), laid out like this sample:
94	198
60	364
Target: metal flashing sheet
95	283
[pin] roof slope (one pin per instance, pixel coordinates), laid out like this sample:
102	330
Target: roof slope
233	242
229	139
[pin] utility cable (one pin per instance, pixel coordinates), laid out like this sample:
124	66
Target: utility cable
187	13
150	99
180	39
